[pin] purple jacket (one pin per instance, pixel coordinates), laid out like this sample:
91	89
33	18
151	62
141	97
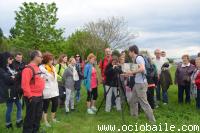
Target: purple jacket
183	73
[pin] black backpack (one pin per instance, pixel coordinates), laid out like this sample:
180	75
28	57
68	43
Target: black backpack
150	73
33	71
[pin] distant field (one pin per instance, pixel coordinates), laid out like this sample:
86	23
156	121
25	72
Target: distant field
80	122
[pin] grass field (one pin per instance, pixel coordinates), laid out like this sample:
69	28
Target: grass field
80	122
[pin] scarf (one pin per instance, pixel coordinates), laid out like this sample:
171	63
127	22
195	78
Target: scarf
193	86
11	71
75	73
49	69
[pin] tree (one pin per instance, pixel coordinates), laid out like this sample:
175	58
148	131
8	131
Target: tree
83	43
1	36
112	31
35	26
4	42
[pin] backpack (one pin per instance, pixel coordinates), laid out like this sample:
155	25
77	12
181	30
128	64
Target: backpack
59	68
61	87
33	71
150	72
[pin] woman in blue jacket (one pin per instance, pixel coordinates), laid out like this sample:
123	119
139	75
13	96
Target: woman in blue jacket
91	83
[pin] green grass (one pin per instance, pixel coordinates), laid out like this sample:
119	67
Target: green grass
80	122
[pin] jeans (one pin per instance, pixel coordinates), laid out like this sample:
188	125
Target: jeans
158	91
181	90
164	95
198	99
78	89
9	105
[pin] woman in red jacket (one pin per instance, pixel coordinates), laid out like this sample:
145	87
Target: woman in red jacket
196	83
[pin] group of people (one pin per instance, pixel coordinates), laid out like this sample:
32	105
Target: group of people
44	80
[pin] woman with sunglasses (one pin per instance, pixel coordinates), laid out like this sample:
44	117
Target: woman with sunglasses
79	69
10	96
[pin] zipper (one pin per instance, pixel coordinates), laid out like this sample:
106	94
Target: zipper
9	90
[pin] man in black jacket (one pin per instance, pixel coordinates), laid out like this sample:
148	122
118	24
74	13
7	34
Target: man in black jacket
18	65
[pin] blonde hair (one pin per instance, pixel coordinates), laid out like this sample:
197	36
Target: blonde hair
71	59
90	56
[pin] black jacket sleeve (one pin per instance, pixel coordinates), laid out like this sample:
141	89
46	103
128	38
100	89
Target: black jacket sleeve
6	77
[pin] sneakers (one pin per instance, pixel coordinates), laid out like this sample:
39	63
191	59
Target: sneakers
90	112
55	121
9	126
73	110
164	103
19	124
94	109
47	124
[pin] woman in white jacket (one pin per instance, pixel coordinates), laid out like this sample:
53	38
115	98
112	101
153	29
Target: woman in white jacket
51	92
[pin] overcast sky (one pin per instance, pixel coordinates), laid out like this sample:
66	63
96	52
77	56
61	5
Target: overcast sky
171	25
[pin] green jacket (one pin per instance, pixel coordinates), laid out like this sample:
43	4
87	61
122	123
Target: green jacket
60	72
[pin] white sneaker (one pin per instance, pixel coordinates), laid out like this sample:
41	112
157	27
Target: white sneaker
67	110
94	109
164	103
55	121
47	124
90	112
108	111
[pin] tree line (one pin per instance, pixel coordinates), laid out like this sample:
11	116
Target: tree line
35	28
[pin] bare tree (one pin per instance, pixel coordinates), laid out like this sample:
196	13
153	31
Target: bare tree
113	31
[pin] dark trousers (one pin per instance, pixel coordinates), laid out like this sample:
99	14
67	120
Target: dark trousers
165	95
150	97
181	90
78	89
54	104
198	99
33	115
62	95
158	98
104	89
92	95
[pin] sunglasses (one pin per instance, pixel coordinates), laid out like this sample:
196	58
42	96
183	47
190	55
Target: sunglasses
77	55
